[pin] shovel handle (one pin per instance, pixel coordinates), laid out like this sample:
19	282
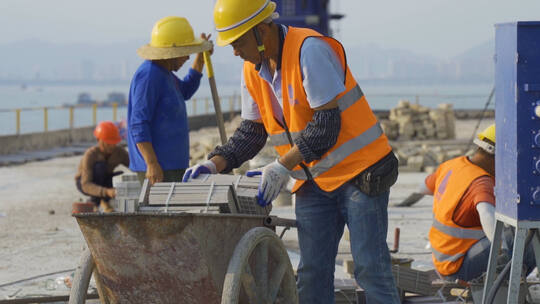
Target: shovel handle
208	64
215	97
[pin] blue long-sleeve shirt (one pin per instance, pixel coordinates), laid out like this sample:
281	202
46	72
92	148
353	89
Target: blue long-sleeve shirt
157	114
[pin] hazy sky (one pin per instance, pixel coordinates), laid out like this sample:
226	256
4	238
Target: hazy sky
441	28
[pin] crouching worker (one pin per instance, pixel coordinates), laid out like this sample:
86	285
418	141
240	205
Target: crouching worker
95	173
464	213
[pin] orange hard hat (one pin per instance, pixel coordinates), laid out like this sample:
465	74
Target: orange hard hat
108	132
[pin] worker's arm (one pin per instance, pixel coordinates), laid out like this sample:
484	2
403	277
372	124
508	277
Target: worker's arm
423	189
486	211
147	93
154	173
246	142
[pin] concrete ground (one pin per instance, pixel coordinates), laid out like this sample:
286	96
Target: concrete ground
39	236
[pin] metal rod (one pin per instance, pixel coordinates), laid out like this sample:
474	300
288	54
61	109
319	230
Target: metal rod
277	221
171	190
396	241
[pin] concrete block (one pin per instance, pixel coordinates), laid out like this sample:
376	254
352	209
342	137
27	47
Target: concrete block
390	128
416	162
407	152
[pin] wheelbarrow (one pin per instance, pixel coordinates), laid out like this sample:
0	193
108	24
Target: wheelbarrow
181	257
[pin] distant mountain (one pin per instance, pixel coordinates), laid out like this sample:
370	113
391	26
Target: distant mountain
40	61
35	60
372	63
477	63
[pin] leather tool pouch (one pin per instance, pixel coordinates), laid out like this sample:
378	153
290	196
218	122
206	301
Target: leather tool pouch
379	177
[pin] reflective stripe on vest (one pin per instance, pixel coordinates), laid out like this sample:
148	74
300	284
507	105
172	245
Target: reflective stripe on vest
339	154
460	233
344	103
445	257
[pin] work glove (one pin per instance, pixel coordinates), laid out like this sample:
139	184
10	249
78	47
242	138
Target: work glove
207	167
274	177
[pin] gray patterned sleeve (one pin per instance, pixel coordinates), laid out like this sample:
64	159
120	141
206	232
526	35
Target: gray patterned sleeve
246	142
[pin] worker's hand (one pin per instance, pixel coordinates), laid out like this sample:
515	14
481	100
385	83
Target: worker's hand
207	167
154	173
274	177
110	192
207	38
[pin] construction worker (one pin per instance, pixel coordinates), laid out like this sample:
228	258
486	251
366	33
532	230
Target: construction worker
95	173
464	212
299	92
158	134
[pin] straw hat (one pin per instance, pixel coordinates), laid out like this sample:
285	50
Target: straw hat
172	37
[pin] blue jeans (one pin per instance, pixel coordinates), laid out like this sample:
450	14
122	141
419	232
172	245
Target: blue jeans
476	259
321	217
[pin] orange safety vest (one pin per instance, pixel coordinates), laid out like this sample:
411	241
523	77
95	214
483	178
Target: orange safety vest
361	141
450	241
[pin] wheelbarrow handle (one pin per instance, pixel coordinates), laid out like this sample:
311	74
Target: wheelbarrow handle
277	221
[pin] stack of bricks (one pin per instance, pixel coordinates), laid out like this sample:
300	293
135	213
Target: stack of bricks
412	121
127	194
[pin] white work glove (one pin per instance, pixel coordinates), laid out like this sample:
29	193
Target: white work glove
207	166
274	177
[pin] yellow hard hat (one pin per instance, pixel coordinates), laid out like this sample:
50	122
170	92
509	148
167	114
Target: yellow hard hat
485	138
488	133
233	18
172	37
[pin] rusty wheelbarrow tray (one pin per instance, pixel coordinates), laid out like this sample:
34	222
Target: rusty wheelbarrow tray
184	258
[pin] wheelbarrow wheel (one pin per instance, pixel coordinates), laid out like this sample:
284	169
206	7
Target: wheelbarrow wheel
81	280
259	271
